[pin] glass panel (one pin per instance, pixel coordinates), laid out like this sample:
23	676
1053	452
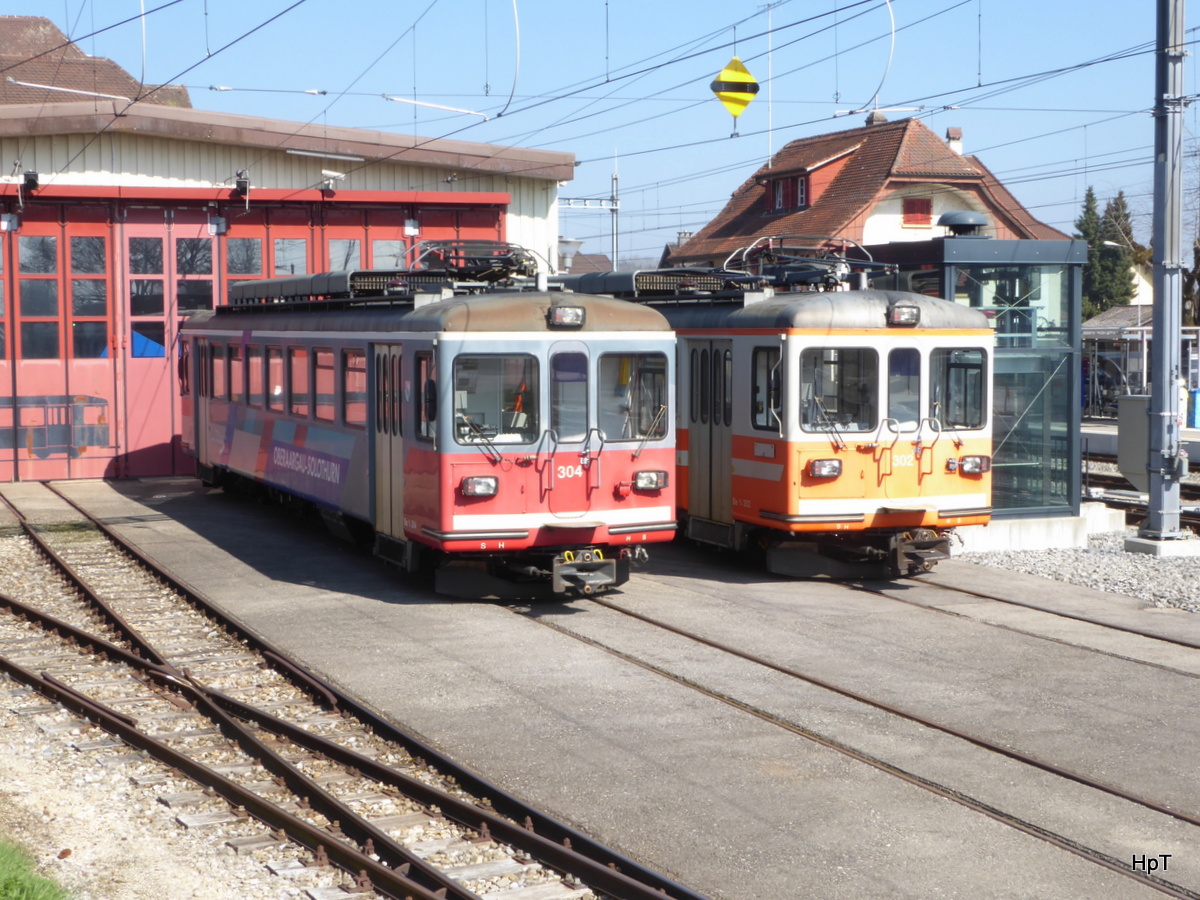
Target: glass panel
298	390
39	297
193	295
254	372
146	297
145	256
89	297
694	384
87	256
291	256
1033	408
220	383
568	396
324	375
237	375
765	388
904	387
728	376
354	388
275	378
839	389
387	254
705	387
397	423
496	399
426	424
38	254
343	254
632	396
958	387
244	256
3	340
193	256
39	340
149	340
90	340
1029	305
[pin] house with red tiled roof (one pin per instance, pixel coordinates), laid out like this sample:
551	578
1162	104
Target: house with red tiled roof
881	183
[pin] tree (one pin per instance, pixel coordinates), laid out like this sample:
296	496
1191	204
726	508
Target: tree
1116	254
1108	275
1088	229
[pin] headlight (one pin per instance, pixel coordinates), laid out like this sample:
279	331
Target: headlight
825	468
975	465
566	316
479	486
650	481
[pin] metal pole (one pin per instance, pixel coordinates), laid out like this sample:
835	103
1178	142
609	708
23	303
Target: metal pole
616	205
1165	464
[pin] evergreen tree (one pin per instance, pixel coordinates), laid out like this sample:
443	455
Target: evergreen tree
1088	229
1115	255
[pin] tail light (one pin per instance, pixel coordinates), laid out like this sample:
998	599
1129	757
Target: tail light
825	468
479	486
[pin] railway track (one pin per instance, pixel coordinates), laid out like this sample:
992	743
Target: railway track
954	792
285	764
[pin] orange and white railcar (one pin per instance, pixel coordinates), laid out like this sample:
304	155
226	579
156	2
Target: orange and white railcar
833	428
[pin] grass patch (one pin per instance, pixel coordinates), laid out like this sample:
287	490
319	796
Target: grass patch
19	881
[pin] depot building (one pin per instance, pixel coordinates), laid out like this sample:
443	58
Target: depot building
118	219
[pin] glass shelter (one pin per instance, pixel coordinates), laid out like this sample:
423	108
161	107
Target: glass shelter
1030	290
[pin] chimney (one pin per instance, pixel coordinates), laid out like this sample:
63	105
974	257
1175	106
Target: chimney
954	140
876	117
683	237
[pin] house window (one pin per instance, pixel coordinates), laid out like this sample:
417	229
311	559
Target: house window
918	211
787	193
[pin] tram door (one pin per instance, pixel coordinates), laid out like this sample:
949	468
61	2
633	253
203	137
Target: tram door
389	442
710	433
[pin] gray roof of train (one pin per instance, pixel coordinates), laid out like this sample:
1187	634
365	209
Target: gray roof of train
821	311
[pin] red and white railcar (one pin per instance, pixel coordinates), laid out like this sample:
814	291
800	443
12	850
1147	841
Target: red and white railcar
527	434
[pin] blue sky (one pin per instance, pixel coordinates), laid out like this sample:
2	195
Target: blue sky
1052	96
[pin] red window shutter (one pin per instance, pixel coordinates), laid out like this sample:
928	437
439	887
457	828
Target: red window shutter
918	211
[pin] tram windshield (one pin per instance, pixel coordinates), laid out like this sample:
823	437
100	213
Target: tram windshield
633	396
495	399
839	389
958	387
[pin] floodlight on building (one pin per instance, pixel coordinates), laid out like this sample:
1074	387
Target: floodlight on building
31	181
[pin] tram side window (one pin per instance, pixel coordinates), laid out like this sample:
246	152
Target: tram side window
354	388
496	398
275	378
324	379
569	396
217	374
237	375
298	382
765	388
632	399
958	387
426	416
839	389
904	387
254	369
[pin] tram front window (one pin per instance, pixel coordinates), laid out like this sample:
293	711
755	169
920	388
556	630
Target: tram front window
495	399
839	389
632	402
958	387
